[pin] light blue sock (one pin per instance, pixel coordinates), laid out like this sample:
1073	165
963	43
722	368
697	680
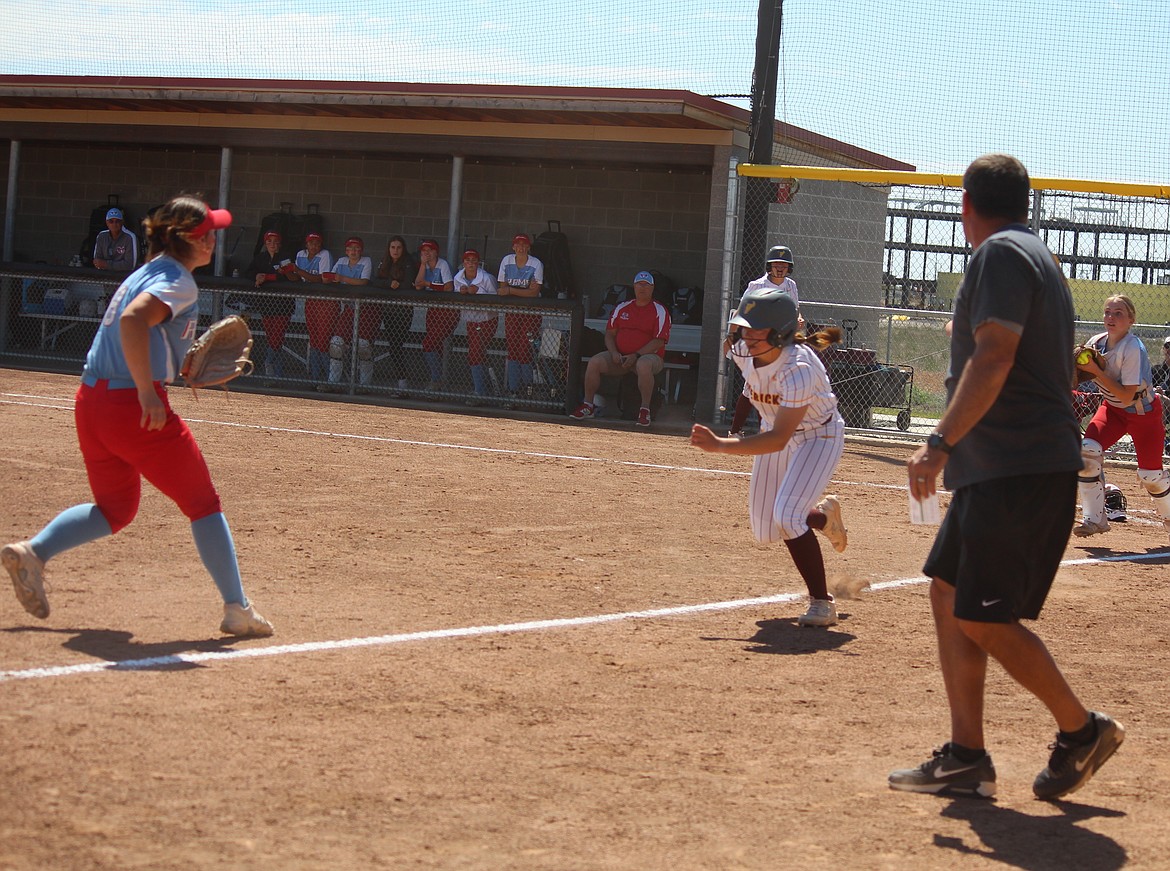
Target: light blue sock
72	527
214	542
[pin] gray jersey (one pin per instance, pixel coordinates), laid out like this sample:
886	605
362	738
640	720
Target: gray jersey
121	254
1015	281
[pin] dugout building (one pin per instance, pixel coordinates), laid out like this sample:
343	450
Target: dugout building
636	179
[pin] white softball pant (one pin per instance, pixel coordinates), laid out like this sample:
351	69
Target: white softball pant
787	485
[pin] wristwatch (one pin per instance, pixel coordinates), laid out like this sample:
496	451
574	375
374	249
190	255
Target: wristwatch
935	441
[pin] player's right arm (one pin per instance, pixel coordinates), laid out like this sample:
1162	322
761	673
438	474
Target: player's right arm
786	423
144	312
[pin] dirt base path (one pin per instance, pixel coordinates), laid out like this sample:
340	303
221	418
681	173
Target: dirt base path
412	711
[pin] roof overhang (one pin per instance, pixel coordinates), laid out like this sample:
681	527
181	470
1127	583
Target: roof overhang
671	126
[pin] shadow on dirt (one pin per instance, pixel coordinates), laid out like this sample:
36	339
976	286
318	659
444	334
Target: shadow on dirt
118	648
783	636
1036	843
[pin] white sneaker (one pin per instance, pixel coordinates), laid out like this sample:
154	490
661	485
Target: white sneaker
1090	527
834	530
821	612
28	577
244	622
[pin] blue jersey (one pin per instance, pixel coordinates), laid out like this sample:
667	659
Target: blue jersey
362	269
520	276
438	275
318	263
168	281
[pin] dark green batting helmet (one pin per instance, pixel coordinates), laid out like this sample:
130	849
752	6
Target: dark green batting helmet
780	254
771	309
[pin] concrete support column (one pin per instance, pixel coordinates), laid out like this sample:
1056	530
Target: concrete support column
225	186
454	214
10	203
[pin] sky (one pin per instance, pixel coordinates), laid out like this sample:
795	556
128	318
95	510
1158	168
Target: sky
1075	90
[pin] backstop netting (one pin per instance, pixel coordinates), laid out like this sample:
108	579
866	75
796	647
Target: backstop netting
1073	90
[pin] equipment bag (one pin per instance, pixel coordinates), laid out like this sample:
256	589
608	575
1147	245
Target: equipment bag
688	306
552	249
286	224
314	222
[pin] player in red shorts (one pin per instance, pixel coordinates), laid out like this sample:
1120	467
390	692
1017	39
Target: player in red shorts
125	425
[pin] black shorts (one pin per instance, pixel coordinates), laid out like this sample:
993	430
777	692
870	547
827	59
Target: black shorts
1001	543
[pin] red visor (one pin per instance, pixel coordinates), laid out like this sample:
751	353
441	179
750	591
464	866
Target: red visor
216	219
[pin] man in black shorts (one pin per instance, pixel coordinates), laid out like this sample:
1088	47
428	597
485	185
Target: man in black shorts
1011	447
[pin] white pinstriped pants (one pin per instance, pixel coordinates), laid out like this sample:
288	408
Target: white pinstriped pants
787	485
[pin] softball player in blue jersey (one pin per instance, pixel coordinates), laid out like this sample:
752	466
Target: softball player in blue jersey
125	425
800	441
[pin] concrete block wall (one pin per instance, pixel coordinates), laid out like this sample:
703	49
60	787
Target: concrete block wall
59	184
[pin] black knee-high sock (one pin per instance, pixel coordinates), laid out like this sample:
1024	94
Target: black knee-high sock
806	553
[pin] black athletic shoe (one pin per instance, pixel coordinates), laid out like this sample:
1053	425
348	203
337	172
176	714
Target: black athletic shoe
1070	766
944	774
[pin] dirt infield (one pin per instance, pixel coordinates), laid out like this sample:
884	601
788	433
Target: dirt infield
422	707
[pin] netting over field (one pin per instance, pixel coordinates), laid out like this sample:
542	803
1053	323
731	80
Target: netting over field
1074	90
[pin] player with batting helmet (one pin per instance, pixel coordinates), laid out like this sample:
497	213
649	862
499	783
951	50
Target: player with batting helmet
778	268
800	441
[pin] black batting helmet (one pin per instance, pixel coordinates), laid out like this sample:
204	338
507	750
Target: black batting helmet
780	254
768	308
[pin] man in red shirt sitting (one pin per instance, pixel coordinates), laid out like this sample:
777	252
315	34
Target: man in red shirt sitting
635	341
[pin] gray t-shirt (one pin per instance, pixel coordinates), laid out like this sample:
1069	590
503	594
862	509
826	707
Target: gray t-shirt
1016	282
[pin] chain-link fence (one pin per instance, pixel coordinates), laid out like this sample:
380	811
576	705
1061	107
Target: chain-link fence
438	346
883	263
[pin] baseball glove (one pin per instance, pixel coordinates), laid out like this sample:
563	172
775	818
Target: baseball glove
1082	355
219	355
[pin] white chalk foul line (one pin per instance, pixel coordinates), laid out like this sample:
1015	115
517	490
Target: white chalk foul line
405	637
472	631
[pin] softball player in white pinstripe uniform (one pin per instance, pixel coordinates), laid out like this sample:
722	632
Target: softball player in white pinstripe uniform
800	441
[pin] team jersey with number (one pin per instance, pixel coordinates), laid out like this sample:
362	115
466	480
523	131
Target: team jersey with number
795	379
168	281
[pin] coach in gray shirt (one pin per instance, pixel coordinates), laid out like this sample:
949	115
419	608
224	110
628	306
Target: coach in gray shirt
1010	446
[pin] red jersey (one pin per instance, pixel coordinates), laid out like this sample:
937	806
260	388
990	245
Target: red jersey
636	325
